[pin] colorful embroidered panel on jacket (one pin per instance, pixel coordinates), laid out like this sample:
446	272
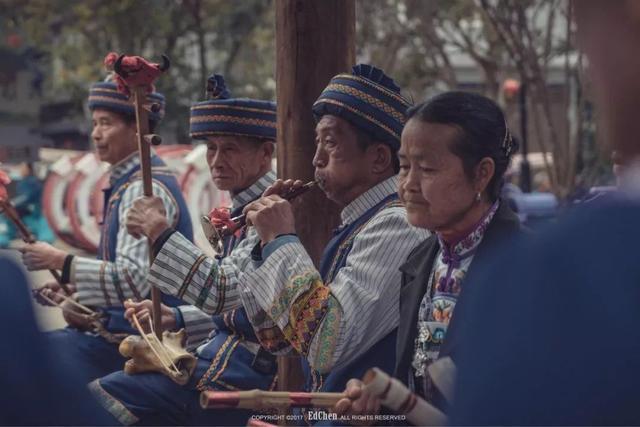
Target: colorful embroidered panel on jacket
436	308
333	259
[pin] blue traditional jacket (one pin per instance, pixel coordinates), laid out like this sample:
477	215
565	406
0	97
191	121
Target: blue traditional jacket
115	321
379	355
235	360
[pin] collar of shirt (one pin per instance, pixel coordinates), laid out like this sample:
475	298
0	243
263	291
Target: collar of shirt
123	167
254	191
468	243
369	199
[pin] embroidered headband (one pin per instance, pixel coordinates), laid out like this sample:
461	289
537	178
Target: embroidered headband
223	115
369	100
105	95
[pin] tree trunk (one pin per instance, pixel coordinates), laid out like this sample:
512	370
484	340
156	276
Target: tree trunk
315	40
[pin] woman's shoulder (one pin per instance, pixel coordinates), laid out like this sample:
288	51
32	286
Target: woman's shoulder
419	255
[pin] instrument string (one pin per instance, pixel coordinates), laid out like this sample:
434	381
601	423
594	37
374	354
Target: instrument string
162	346
151	346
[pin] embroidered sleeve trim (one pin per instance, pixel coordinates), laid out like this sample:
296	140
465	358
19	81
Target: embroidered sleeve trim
116	284
291	292
221	282
204	292
189	276
132	286
103	285
324	347
306	315
314	311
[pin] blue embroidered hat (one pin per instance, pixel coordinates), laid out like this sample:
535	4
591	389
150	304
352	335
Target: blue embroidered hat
105	95
368	99
223	115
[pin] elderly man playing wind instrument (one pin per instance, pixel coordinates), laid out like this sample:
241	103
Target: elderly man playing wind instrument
120	270
342	317
240	136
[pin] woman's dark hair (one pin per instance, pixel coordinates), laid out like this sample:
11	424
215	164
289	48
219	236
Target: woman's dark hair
483	129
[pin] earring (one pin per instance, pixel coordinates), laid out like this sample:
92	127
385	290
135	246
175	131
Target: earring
478	197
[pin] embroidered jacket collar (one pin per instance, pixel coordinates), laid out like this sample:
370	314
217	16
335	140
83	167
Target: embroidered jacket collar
123	167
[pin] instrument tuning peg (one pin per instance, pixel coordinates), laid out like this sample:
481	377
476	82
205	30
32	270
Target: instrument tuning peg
152	107
153	139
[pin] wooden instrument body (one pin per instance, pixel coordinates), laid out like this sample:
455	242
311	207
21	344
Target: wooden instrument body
144	359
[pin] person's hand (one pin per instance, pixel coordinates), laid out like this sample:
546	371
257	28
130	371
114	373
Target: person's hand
358	401
42	256
271	216
281	187
75	317
142	311
147	217
53	291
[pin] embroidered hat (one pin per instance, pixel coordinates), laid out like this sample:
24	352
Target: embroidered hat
368	99
105	95
223	115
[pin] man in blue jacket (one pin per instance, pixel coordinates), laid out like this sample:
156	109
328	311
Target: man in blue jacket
120	270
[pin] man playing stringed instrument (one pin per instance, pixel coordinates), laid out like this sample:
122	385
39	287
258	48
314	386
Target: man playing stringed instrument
120	270
240	136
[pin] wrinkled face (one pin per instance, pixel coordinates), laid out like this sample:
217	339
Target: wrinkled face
237	162
432	183
113	138
341	165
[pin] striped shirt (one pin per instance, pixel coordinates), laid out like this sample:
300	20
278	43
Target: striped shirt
97	281
211	285
361	303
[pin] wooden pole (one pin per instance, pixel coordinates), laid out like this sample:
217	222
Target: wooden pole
10	211
144	149
315	40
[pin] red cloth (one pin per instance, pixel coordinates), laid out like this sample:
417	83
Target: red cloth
221	217
140	72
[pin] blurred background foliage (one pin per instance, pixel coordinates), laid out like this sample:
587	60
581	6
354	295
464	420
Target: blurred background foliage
426	45
71	39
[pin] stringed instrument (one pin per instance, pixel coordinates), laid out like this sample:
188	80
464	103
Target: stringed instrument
75	314
148	354
7	208
155	351
135	77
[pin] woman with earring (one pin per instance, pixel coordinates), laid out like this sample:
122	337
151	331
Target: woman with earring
455	150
